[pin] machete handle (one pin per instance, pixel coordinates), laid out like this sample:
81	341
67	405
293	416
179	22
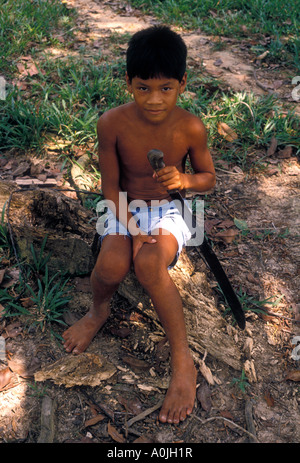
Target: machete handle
156	159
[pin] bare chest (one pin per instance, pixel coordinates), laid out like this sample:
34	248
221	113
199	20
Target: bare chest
134	145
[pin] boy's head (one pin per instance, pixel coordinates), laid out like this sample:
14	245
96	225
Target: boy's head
156	52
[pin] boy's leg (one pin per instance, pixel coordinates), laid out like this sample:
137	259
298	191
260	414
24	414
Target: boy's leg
113	264
151	267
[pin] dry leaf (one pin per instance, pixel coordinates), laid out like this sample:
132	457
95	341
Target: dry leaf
115	435
293	375
206	372
133	406
122	332
277	84
94	420
134	362
226	224
263	55
226	414
27	302
210	224
5	376
286	152
26	67
162	350
13	330
143	440
227	236
204	395
273	146
227	132
269	399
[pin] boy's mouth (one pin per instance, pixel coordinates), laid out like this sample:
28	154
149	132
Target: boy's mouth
155	111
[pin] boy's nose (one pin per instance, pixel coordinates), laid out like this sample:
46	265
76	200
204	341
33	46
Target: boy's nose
155	98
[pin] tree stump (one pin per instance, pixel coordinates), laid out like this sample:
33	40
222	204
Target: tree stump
36	213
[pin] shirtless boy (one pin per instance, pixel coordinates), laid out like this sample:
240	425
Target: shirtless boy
156	76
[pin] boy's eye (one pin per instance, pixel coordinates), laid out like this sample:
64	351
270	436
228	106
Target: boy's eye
143	89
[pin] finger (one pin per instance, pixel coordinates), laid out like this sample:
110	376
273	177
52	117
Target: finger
139	244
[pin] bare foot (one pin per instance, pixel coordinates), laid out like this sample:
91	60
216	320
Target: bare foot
180	398
79	336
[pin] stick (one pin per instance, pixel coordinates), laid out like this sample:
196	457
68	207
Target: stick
47	421
145	413
250	422
228	421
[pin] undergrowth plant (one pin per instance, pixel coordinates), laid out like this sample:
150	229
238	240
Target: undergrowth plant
49	300
241	382
47	293
4	234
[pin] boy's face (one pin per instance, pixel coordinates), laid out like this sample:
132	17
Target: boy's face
157	97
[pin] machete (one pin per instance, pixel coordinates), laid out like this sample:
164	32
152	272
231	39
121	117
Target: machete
155	157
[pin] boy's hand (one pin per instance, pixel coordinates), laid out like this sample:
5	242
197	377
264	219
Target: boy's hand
138	241
170	178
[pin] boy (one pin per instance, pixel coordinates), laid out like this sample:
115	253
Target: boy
156	76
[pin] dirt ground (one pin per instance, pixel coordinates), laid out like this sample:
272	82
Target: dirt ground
264	266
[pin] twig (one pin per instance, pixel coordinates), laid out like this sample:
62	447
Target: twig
145	413
101	407
262	86
273	314
228	421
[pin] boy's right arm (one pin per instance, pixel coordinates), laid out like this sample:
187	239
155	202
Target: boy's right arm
110	178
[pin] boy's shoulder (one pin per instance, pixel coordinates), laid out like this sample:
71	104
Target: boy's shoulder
115	113
189	121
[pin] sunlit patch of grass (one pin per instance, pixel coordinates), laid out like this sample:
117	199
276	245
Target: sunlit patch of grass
27	24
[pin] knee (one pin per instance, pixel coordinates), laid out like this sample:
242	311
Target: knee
148	269
111	269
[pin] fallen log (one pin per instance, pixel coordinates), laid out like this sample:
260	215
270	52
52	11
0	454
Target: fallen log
36	213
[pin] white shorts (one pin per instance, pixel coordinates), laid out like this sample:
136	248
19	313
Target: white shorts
165	216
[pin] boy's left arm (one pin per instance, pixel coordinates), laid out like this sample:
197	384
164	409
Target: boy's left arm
204	177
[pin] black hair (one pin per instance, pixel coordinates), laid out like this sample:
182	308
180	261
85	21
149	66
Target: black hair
156	52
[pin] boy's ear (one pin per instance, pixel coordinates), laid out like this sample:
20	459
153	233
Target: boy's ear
128	82
183	83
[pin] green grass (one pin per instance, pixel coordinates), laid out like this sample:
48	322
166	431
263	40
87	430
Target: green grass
254	119
67	98
65	102
26	25
276	20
